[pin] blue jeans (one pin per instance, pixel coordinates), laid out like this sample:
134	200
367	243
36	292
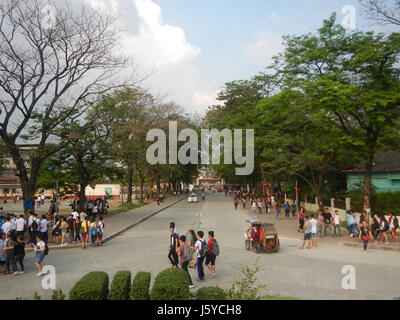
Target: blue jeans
200	270
278	215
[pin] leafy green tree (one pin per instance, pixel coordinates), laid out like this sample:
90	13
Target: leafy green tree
354	83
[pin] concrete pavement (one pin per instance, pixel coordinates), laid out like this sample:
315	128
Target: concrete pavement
304	274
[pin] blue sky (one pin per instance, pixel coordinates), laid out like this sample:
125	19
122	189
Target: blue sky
195	46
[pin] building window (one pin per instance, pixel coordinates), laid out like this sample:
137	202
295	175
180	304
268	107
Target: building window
6	190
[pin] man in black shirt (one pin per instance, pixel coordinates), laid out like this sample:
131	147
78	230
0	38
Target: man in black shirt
173	245
328	222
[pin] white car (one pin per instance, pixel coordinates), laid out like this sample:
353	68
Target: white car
193	198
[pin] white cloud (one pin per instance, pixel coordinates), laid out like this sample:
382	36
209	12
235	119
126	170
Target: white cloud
277	19
264	48
163	47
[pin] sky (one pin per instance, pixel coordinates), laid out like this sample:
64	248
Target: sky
191	48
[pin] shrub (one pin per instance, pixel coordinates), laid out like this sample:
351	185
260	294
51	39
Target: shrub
58	295
92	286
141	286
171	284
210	293
246	288
120	286
382	202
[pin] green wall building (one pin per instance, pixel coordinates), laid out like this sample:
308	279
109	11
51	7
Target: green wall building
385	175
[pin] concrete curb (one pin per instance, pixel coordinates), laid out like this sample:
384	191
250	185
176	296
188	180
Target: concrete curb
115	234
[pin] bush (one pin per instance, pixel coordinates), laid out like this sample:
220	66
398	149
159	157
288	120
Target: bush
383	202
171	284
246	288
141	286
210	293
120	286
92	286
58	295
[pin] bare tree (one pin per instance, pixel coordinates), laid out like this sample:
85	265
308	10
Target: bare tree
54	60
382	12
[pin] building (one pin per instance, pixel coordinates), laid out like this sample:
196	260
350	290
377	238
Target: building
9	188
10	169
385	173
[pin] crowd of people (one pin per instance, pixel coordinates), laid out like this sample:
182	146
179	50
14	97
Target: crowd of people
325	223
34	230
192	251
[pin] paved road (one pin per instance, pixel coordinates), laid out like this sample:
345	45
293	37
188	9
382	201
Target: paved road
304	274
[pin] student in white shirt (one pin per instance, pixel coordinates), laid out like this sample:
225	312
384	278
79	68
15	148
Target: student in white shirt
39	249
336	220
44	227
314	224
8	226
21	224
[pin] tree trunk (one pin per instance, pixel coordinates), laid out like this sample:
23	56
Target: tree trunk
141	188
320	191
367	205
82	196
159	184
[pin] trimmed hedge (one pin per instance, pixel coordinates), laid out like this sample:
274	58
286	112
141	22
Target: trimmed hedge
120	286
210	293
140	289
171	284
92	286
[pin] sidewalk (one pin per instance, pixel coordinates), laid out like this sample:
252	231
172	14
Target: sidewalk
116	225
288	230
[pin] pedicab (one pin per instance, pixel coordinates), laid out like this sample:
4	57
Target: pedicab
261	237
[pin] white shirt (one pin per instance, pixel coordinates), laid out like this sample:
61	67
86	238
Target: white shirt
30	220
82	216
21	222
336	219
313	225
75	215
44	225
7	227
198	246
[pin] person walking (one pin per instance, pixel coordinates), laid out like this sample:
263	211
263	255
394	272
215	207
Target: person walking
185	257
19	255
287	210
44	227
328	222
173	246
93	231
39	250
192	239
100	231
393	225
307	233
21	225
278	211
320	224
365	235
64	229
85	227
201	247
236	204
300	217
56	229
254	207
77	229
3	244
314	226
70	221
213	252
294	209
337	232
9	250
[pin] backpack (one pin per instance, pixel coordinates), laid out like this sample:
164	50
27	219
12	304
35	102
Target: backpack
203	249
35	226
98	228
187	253
216	250
395	222
46	249
94	231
